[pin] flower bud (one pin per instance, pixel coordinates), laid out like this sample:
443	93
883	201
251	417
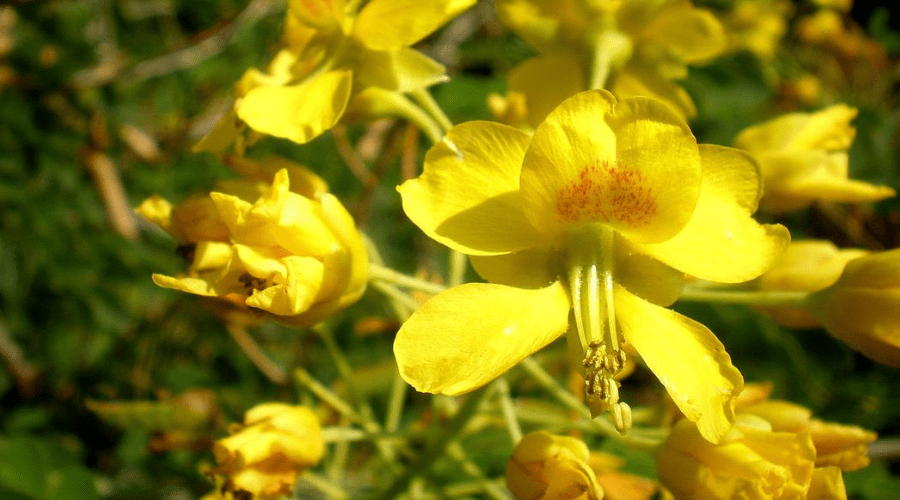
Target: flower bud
863	307
548	467
803	158
806	266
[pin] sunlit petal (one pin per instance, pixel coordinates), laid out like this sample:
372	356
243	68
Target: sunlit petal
466	336
467	197
722	242
687	358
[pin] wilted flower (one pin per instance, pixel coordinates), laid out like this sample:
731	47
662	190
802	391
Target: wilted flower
335	51
806	266
632	48
863	307
289	249
803	158
544	466
583	217
776	450
264	457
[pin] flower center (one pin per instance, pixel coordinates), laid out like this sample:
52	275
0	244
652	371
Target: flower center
606	193
591	263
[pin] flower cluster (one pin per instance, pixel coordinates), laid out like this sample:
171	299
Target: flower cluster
337	58
587	213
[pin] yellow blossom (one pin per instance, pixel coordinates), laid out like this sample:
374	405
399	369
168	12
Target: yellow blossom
334	52
632	48
757	26
584	216
803	158
862	308
753	461
289	249
806	266
776	450
264	457
544	466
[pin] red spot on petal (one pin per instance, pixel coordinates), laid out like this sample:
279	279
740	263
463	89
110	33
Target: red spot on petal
606	193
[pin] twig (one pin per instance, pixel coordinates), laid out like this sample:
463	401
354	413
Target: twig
257	356
118	210
24	374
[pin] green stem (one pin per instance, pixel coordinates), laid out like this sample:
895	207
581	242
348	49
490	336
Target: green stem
797	300
424	99
399	388
346	372
402	303
436	449
508	408
456	452
458	261
388	275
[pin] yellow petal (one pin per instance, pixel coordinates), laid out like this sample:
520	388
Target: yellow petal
593	160
391	24
692	34
196	286
543	94
722	242
467	197
466	336
687	358
157	210
638	78
647	277
226	131
401	70
868	320
297	112
531	268
827	483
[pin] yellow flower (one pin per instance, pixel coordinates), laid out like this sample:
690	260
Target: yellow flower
752	462
585	216
264	457
806	266
544	466
757	26
775	450
632	48
803	158
332	54
863	307
290	249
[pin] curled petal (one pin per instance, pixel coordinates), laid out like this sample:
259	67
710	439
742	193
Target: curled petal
392	24
721	242
687	358
466	336
297	112
467	197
